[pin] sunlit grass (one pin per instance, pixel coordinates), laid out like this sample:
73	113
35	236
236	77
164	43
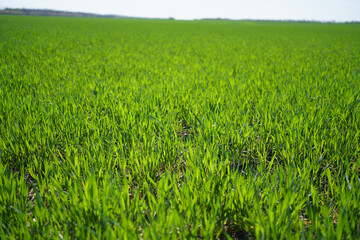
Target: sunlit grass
125	129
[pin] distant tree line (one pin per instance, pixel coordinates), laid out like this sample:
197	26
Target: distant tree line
47	12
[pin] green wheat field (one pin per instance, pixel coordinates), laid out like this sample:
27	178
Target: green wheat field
167	129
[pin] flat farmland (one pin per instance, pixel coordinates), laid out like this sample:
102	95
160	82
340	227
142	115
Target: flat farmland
167	129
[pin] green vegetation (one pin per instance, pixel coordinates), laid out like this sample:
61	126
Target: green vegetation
125	129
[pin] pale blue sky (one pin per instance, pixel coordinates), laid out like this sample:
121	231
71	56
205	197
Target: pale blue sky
323	10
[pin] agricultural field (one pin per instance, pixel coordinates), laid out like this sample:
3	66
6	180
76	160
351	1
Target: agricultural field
163	129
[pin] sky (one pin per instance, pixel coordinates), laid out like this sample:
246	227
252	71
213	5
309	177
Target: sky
319	10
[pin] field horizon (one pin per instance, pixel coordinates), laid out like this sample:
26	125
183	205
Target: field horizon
62	13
